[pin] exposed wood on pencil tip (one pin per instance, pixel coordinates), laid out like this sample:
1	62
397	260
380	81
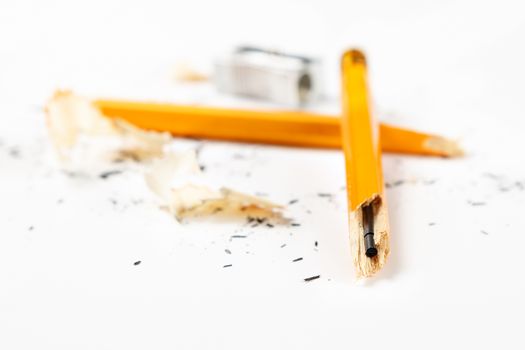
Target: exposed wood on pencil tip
444	146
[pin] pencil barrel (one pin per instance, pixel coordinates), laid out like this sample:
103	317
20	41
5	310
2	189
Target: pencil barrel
367	210
288	128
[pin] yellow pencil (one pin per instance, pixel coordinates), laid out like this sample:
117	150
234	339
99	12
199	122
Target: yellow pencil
290	128
368	219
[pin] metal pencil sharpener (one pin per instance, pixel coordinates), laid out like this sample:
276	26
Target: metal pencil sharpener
273	76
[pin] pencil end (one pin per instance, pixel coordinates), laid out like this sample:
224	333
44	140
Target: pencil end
370	246
354	56
444	147
369	251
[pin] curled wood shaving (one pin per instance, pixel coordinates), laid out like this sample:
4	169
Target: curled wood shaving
178	180
78	128
184	72
79	131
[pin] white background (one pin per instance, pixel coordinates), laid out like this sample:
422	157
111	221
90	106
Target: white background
67	246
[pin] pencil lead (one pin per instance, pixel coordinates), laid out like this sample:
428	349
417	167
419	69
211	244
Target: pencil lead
368	231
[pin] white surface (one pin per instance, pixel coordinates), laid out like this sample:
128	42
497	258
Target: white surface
453	67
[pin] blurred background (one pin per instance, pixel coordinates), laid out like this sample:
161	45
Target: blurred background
448	67
424	55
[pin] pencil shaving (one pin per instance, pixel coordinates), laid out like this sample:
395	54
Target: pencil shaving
183	72
140	144
80	132
78	128
178	180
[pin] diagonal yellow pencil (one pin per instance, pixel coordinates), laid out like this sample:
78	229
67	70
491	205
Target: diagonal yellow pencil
290	128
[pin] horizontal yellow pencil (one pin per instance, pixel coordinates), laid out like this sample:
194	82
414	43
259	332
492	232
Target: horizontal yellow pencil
368	219
290	128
